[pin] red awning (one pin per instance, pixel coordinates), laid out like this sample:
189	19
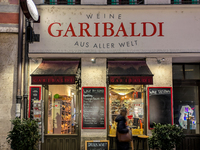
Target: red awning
55	72
129	72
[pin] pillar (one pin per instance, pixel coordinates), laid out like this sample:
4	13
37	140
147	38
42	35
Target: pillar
93	75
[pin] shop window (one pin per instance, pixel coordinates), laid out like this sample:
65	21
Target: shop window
61	109
192	72
177	71
63	2
186	71
186	96
130	97
185	1
186	108
125	2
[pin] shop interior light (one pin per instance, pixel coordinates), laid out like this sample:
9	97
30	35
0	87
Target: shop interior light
72	93
121	93
135	108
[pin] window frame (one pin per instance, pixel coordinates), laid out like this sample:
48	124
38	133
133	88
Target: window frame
183	68
125	2
184	2
63	2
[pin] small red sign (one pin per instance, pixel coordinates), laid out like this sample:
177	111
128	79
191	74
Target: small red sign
131	79
53	80
130	116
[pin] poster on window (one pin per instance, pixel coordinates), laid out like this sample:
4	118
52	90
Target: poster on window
34	94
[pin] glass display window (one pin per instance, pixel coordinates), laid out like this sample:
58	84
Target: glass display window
131	98
61	109
186	108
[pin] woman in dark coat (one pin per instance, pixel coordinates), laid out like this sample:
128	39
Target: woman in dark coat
121	128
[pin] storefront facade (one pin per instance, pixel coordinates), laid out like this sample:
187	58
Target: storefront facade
123	49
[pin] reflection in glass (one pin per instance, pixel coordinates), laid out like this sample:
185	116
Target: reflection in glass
192	72
177	71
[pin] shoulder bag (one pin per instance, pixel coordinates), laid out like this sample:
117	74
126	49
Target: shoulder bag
124	137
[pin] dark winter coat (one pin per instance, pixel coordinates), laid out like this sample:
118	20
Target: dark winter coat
121	128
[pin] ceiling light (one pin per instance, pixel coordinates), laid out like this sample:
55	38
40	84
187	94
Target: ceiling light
121	93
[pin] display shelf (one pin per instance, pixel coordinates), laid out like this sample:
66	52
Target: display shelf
65	111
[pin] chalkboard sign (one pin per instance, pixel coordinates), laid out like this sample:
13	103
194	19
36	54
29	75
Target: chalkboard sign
97	145
34	94
160	105
93	107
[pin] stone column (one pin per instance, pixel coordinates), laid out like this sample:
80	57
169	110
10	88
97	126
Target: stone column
162	71
93	74
8	71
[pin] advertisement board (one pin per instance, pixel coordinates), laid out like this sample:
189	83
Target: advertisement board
114	29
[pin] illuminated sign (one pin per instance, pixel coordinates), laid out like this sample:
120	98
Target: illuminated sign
53	80
131	80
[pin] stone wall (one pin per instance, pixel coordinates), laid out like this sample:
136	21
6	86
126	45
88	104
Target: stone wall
8	78
162	71
93	74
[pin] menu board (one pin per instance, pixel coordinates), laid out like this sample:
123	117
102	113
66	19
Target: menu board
93	107
34	94
160	109
97	145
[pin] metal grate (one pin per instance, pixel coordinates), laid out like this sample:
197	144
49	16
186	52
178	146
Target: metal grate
63	2
185	1
125	2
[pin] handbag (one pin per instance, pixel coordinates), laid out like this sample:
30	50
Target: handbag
124	137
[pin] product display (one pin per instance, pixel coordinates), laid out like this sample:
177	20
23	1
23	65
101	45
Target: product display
66	123
124	96
186	113
60	115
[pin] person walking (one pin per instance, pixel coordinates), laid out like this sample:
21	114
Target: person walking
122	128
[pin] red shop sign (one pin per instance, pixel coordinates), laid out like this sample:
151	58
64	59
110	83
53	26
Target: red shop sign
131	80
52	80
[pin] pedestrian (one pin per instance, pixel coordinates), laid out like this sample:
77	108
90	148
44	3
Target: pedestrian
122	128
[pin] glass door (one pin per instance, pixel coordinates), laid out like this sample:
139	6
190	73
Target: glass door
62	107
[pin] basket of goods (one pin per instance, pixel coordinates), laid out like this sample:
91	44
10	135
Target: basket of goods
137	131
112	131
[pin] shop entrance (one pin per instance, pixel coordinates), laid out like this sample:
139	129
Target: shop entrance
60	80
62	107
